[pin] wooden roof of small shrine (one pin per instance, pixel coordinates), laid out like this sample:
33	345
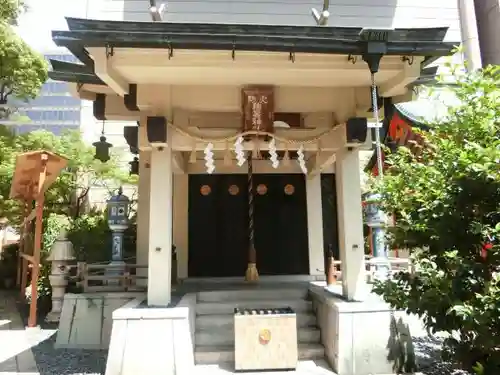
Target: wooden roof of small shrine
85	33
26	177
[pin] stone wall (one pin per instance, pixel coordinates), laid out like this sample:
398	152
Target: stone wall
365	338
86	319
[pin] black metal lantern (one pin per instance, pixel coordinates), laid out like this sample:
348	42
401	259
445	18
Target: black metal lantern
134	166
102	149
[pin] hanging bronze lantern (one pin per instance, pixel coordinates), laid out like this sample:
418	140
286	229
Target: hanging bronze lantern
102	149
134	167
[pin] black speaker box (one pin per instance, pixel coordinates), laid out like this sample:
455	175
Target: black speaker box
157	129
356	129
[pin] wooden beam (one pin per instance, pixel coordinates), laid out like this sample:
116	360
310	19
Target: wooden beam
78	91
397	85
116	110
29	258
259	167
179	162
22	242
30	217
38	240
103	67
232	120
319	162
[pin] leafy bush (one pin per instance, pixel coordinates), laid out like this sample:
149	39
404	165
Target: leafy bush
91	238
445	192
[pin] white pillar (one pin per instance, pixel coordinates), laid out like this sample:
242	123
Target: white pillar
160	228
470	38
143	190
180	223
350	223
315	226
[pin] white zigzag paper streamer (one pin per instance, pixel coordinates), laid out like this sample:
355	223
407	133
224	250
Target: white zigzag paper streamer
240	154
300	159
209	158
272	152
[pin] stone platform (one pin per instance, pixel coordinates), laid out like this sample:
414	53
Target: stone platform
196	333
365	337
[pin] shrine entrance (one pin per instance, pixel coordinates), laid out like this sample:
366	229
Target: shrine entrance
218	225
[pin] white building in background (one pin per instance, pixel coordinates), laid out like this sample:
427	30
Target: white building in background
54	110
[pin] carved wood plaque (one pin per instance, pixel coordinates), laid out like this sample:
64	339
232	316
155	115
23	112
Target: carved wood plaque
258	108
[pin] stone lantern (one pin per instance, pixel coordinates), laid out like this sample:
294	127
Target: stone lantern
376	219
60	255
118	207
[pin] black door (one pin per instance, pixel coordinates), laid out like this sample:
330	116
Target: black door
329	204
281	224
217	225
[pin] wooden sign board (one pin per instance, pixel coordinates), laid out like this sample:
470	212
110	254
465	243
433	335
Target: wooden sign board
257	108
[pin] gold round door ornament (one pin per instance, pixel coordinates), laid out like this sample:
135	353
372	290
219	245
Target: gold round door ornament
234	189
205	190
264	336
261	189
289	189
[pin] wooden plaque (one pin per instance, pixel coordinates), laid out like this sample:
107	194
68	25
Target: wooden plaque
258	108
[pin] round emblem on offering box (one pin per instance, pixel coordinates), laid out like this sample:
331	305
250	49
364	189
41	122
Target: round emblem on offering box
261	189
289	189
234	189
205	190
264	336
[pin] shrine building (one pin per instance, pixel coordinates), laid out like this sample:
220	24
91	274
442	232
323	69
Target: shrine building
248	134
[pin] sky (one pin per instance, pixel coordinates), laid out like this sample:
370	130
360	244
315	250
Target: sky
43	16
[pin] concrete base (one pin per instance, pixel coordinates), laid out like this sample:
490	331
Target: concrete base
148	340
365	338
86	319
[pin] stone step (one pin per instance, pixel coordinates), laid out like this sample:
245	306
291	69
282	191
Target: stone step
205	355
304	319
212	308
253	295
225	337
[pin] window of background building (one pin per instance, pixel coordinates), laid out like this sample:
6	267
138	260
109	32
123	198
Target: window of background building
54	109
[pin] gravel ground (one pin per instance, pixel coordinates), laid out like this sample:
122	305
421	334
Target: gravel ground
68	361
428	353
93	362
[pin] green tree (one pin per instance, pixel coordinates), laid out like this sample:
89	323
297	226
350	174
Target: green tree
22	70
445	193
67	196
10	10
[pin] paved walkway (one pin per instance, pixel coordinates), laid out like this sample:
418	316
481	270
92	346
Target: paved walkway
16	342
